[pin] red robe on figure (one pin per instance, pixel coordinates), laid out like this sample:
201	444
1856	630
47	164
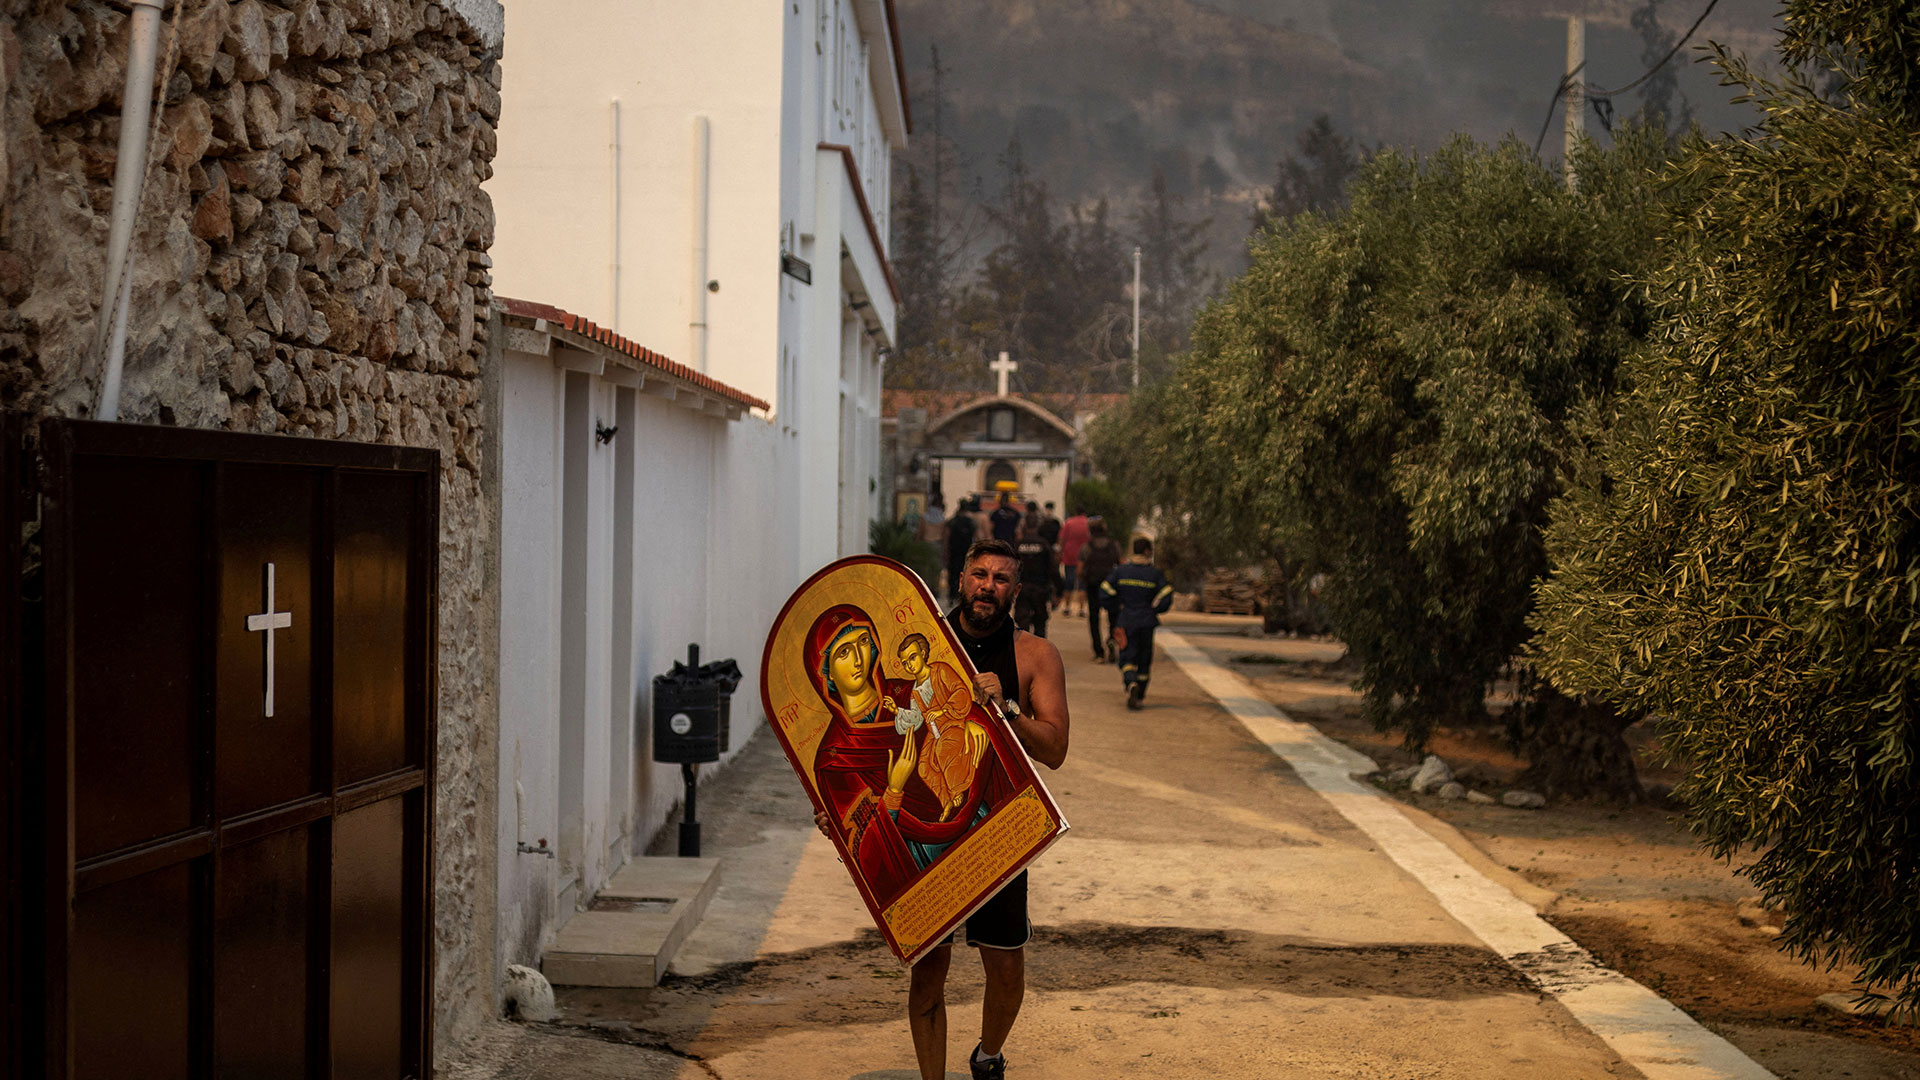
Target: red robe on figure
850	768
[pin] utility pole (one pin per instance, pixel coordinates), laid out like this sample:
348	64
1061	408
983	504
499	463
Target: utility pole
939	156
1576	92
1136	318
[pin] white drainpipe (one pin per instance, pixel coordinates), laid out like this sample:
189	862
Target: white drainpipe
129	178
702	143
613	263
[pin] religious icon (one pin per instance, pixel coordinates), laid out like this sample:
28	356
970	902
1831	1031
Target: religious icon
934	805
909	508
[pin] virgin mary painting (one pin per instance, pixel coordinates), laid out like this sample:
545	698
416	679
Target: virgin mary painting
864	767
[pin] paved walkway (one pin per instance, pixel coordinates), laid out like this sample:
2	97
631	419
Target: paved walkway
1210	914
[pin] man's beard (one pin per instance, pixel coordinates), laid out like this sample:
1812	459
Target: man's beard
981	625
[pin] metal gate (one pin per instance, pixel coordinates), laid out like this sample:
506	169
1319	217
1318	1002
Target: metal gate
219	728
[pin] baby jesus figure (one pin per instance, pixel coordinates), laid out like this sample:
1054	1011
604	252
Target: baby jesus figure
954	743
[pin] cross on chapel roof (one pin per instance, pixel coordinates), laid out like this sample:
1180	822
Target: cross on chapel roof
1003	367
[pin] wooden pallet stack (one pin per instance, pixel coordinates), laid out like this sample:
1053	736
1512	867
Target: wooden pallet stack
1230	592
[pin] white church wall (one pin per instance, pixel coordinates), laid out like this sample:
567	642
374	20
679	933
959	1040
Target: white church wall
617	555
587	468
674	558
529	655
722	590
1040	480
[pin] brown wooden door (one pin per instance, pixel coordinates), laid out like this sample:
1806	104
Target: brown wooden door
238	749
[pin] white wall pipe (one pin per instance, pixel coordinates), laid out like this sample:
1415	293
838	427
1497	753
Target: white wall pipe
116	352
613	269
702	145
129	180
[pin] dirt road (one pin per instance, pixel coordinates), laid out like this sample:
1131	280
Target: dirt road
1209	915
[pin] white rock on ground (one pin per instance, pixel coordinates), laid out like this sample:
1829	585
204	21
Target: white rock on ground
1433	773
1480	797
1525	800
1453	789
529	995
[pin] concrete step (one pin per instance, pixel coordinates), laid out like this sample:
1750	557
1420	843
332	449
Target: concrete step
634	925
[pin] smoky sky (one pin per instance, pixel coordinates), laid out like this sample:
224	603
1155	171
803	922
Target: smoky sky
1487	68
1211	93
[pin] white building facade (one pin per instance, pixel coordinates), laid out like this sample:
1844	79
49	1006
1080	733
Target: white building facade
617	552
711	180
708	181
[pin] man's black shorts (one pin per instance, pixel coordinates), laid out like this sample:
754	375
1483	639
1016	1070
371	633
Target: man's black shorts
1001	923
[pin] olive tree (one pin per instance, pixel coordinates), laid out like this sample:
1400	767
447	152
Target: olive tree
1386	395
1741	554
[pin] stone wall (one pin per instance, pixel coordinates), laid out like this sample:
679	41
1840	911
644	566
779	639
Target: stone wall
310	260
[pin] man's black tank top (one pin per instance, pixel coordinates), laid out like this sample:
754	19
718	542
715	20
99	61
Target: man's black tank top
992	653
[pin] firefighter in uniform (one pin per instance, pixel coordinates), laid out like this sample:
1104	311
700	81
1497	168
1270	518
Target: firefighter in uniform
1136	593
1039	580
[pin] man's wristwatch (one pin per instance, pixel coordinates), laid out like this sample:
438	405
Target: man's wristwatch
1011	708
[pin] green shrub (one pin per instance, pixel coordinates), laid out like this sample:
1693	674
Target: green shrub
1097	496
1742	555
896	541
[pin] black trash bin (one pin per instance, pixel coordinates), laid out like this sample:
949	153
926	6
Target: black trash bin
690	720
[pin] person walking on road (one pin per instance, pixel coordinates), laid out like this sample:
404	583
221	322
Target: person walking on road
1039	577
960	537
1006	520
1023	674
933	525
1098	556
1073	534
1137	594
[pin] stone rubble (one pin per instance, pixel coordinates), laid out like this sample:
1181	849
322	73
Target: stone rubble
1433	772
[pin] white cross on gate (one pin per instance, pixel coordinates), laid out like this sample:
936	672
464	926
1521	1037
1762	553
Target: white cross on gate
1003	367
269	621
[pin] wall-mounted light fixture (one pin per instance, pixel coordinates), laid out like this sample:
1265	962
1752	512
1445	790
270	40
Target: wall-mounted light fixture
602	433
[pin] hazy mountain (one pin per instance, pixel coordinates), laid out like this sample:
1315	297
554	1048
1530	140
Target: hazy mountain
1101	92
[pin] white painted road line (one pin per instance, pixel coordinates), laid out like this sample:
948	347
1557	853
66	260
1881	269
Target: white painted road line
1653	1036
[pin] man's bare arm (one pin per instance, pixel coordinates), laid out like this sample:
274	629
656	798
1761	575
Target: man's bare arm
1042	727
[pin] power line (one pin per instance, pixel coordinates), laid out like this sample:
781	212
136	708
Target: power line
1566	80
1558	93
1649	73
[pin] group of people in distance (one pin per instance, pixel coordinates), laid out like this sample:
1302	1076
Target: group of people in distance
1061	563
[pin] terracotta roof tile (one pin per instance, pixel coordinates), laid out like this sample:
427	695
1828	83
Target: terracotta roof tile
587	328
